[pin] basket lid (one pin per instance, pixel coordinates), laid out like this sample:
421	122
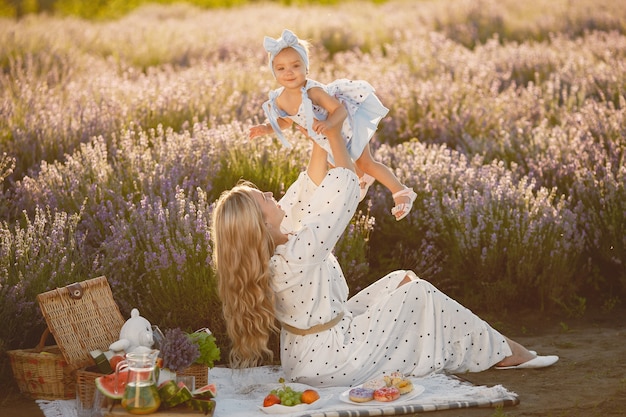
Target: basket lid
82	317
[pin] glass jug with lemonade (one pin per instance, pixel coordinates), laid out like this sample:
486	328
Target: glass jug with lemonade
140	395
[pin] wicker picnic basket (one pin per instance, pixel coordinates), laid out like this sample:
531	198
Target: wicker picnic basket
42	373
82	317
86	386
199	371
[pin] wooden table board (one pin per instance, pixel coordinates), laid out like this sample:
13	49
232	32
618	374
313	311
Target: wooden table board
184	411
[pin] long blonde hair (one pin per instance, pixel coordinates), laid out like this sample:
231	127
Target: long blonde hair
242	247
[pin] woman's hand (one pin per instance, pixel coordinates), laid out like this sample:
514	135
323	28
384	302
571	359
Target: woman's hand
405	280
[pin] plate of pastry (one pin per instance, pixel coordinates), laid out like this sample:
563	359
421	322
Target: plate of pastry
391	389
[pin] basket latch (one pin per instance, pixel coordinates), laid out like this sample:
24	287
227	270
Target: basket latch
76	291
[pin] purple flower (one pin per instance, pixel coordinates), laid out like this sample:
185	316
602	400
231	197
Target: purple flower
178	350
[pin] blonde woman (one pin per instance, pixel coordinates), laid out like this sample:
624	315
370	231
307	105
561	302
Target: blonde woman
276	270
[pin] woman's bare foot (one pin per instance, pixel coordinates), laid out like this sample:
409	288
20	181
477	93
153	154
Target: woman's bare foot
518	356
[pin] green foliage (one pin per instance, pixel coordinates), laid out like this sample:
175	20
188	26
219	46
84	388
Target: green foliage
610	304
472	23
112	9
576	308
499	412
352	251
498	235
209	352
265	164
36	256
6	166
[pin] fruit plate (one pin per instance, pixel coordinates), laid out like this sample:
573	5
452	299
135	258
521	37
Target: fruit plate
283	409
417	390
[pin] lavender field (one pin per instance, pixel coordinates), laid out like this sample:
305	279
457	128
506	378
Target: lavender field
507	119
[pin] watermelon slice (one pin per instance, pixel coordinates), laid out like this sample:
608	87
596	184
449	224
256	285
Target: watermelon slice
112	385
205	406
206	392
172	394
167	392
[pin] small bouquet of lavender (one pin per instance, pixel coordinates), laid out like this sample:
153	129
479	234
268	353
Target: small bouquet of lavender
178	350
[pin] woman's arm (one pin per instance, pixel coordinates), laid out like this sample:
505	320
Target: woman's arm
321	203
339	149
318	164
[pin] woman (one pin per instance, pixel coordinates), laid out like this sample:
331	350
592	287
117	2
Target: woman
275	264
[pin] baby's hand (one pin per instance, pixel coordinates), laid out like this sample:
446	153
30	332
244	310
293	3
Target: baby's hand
258	130
320	126
302	130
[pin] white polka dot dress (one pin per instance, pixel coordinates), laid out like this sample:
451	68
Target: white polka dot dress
365	111
415	329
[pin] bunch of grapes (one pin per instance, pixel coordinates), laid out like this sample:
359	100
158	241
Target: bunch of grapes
288	396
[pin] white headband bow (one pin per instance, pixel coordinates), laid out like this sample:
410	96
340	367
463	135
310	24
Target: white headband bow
287	40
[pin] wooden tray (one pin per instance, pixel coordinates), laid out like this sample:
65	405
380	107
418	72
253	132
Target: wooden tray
174	412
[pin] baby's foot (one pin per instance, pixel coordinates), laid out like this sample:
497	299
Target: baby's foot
365	182
404	202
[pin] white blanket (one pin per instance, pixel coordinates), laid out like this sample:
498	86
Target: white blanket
241	393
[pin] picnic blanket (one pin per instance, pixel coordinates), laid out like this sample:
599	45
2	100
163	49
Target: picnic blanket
240	393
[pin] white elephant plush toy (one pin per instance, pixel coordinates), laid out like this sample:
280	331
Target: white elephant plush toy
135	335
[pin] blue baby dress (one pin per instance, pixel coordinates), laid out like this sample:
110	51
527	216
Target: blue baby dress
364	109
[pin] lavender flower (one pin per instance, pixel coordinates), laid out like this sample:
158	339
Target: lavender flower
110	166
178	350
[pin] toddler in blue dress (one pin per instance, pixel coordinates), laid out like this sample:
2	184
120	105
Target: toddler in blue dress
346	107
